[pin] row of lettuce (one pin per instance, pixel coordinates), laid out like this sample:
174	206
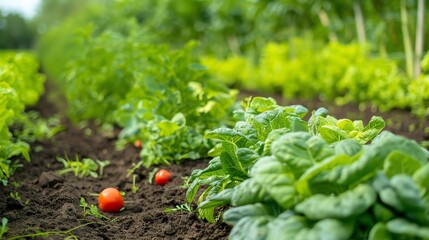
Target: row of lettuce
20	86
344	73
280	175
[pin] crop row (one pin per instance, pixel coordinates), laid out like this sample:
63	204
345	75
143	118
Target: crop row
344	73
20	86
158	96
315	179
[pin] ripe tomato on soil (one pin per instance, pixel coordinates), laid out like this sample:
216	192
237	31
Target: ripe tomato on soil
162	177
110	200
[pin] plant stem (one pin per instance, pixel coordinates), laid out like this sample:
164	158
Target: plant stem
407	39
419	37
360	24
38	234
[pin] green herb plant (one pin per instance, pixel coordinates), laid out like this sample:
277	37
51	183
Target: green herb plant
186	207
92	210
18	198
84	168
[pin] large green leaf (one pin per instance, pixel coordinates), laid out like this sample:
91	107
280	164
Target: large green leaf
421	178
250	221
309	184
406	228
261	104
346	205
248	192
398	162
277	180
379	231
373	159
300	151
289	226
267	121
403	195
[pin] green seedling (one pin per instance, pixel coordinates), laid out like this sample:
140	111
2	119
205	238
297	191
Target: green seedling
134	188
92	210
84	168
16	196
4	228
186	207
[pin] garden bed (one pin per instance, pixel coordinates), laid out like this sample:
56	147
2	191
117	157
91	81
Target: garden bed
51	204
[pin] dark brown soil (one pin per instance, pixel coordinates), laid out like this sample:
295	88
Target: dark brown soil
50	203
53	202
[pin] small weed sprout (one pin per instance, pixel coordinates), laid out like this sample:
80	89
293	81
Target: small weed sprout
134	188
180	208
84	168
92	210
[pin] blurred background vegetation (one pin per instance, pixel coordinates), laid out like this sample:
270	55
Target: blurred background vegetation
239	34
231	27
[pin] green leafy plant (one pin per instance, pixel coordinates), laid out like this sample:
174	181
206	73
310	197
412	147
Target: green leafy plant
259	124
84	168
283	176
344	74
186	207
20	85
92	210
349	194
33	128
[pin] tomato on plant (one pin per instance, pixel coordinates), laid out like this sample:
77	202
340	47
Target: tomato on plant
162	177
110	200
138	144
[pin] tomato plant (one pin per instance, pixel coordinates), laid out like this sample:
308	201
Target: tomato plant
110	200
162	177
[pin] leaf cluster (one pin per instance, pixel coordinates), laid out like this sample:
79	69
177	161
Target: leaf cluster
92	210
157	95
259	124
83	168
284	176
20	85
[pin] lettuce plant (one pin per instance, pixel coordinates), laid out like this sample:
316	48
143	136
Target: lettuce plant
20	85
291	178
259	126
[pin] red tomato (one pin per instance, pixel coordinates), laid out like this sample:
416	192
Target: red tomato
162	177
138	144
110	200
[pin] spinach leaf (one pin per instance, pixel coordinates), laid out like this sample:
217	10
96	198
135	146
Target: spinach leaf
346	205
300	151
